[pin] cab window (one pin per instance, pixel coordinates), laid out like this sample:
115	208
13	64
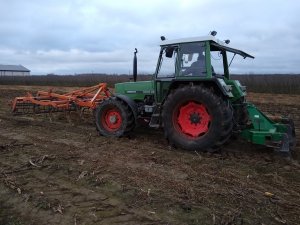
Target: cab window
167	63
192	59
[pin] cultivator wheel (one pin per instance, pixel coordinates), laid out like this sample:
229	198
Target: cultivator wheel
114	118
194	118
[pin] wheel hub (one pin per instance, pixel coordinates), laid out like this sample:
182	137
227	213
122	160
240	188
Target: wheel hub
112	119
193	119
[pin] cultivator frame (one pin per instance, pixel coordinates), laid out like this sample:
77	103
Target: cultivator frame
48	101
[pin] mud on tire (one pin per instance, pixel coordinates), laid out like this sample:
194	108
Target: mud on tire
114	118
194	118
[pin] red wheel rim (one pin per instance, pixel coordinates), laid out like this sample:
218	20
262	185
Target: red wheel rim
193	119
112	119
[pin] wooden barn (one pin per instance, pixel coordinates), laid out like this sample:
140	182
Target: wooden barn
14	70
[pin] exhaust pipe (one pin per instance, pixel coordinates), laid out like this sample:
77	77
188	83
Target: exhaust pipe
135	66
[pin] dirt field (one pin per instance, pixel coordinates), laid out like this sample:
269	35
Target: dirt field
62	172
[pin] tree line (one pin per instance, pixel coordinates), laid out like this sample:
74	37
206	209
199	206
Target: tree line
276	83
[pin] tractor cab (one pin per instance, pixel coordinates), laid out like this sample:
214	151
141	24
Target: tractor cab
190	59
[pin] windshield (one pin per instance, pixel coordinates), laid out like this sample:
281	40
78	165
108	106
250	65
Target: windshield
167	64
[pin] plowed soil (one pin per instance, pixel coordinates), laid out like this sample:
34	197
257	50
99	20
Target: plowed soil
58	170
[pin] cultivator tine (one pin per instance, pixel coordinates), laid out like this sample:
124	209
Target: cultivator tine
288	138
28	108
24	108
82	112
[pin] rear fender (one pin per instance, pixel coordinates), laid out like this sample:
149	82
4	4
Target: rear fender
217	83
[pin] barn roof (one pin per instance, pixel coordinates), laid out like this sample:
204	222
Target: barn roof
13	68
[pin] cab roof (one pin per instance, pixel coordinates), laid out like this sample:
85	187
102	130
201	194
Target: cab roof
215	43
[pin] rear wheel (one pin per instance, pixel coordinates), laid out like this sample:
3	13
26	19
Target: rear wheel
114	118
194	118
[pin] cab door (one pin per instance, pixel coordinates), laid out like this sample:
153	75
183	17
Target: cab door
166	71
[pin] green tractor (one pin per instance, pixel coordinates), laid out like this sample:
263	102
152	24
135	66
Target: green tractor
197	108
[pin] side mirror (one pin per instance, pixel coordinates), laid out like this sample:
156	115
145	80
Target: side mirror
169	52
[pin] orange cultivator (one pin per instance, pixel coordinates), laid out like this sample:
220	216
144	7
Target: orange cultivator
48	101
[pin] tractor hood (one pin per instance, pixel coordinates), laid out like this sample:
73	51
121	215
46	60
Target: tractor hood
135	90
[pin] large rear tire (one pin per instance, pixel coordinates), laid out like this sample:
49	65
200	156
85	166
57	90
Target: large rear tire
114	118
194	118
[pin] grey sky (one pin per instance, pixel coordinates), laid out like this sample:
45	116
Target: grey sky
76	36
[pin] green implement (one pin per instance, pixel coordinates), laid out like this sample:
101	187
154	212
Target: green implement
263	131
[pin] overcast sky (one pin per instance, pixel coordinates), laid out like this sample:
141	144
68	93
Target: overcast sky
94	36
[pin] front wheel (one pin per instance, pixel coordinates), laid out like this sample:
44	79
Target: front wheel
114	118
195	118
